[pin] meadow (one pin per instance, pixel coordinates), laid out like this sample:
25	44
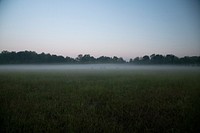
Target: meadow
158	100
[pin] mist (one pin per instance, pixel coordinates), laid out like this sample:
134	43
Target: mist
94	67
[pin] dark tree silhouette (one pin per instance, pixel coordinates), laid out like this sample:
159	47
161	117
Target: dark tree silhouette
136	60
169	59
145	59
31	57
104	59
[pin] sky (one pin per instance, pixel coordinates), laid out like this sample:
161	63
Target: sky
123	28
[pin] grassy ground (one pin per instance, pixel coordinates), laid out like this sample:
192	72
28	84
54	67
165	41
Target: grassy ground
104	101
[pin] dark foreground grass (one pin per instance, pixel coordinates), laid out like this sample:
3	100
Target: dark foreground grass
104	101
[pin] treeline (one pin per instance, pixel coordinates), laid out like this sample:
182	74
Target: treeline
168	59
31	57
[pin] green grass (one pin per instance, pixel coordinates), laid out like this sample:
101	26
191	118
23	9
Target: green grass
104	101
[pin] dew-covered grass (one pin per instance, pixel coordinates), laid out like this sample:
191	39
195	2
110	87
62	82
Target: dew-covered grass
100	101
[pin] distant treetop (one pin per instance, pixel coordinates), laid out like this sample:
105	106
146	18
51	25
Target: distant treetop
31	57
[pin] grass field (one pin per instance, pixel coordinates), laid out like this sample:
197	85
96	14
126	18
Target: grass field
100	101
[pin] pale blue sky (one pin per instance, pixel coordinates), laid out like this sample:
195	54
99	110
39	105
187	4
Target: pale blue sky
126	28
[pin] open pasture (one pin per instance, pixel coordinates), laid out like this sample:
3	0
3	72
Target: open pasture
117	100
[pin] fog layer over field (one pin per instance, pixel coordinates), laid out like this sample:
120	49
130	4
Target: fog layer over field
92	67
99	98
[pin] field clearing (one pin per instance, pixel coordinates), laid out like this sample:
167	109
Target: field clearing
100	100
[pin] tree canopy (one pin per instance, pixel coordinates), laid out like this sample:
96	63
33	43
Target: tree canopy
31	57
169	59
